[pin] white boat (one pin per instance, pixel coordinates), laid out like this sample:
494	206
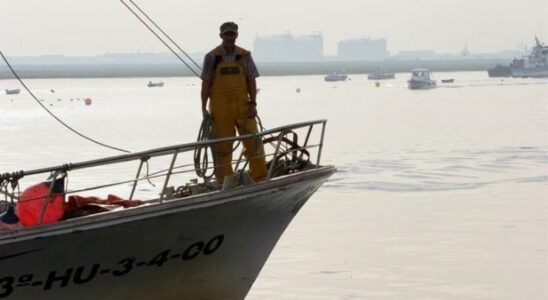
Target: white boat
421	79
155	84
532	65
12	91
334	76
379	74
194	242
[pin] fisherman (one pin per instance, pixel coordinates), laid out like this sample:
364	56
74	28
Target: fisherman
228	80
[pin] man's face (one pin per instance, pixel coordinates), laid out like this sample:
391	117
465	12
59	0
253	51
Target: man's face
229	38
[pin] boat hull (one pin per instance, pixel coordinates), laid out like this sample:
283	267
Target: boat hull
500	71
13	92
335	79
421	84
211	246
380	76
537	72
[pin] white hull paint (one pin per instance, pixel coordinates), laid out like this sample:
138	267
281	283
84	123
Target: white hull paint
210	246
421	84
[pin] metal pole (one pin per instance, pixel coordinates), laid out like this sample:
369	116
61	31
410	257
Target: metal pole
169	172
321	144
306	140
308	135
136	179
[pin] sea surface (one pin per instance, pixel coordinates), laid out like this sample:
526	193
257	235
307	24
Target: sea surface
440	194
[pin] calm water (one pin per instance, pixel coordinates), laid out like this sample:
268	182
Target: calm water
440	194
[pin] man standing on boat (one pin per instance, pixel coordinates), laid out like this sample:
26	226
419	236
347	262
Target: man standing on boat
228	81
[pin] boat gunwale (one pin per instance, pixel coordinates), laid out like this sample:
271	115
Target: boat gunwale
164	208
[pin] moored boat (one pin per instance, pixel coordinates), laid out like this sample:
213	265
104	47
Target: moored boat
195	241
155	84
379	74
335	76
532	65
421	79
12	91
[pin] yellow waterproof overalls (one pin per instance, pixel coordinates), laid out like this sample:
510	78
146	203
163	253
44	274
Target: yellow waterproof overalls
229	103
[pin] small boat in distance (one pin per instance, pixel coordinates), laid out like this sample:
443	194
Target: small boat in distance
155	84
379	74
12	91
334	76
421	79
450	80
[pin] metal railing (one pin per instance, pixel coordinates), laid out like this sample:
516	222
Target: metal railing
276	136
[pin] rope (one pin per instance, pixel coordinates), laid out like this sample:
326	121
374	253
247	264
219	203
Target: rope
166	35
160	38
148	175
53	115
201	161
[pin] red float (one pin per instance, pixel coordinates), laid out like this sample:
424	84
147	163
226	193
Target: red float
32	200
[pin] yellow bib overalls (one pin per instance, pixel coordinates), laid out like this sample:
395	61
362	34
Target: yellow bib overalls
229	103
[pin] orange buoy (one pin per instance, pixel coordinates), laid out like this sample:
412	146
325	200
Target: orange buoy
32	200
87	101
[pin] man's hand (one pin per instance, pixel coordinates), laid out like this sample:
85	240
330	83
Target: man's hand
252	110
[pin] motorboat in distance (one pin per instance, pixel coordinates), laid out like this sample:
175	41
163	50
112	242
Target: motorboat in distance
421	79
193	240
335	76
379	74
155	84
12	91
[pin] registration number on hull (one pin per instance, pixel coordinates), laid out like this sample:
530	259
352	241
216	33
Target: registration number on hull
78	275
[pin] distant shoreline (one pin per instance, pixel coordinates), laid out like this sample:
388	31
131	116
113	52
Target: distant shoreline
265	69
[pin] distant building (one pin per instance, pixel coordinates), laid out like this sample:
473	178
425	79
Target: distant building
288	48
363	49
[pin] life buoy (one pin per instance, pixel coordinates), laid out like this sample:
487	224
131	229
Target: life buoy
32	200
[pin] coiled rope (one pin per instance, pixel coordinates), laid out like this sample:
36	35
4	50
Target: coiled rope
201	154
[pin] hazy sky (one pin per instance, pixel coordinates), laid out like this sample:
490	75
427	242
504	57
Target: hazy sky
90	27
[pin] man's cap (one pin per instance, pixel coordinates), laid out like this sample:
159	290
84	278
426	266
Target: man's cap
229	27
